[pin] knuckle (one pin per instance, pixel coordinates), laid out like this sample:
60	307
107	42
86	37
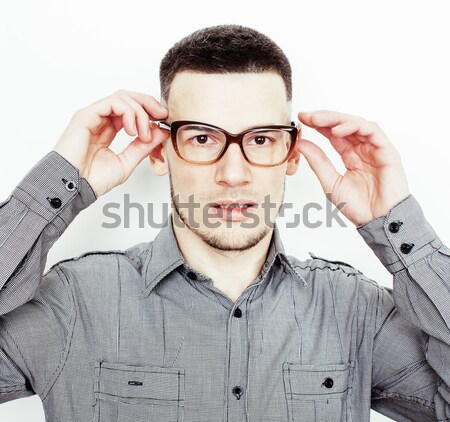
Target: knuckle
373	125
80	113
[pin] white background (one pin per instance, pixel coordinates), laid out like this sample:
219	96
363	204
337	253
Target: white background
386	61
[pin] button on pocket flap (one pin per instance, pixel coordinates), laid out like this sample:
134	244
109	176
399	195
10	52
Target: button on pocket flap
146	382
313	380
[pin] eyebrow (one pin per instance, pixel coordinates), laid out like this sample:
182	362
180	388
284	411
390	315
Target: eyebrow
205	128
247	128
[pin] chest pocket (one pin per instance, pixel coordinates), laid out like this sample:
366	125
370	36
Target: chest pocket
128	393
317	393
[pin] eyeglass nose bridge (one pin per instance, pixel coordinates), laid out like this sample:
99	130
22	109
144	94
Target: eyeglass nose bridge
232	138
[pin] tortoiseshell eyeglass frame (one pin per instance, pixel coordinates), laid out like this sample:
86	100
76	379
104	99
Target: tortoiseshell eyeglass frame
230	138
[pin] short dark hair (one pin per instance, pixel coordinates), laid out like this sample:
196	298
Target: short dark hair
225	49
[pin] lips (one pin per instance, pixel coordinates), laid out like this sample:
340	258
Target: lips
233	210
229	205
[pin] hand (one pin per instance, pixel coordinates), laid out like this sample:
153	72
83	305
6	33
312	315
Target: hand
374	181
86	140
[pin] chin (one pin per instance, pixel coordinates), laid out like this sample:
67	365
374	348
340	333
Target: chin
232	239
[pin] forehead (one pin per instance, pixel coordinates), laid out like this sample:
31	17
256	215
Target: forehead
232	101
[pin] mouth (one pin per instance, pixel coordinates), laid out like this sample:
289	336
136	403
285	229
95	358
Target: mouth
233	210
233	205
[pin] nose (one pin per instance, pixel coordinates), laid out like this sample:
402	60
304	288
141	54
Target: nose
233	169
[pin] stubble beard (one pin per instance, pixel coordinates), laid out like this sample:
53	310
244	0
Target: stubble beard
236	242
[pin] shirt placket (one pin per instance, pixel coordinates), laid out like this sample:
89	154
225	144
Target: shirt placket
237	354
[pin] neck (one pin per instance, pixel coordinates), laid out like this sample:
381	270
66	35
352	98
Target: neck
231	271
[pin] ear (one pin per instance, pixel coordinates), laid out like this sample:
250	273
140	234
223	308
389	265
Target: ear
294	158
158	159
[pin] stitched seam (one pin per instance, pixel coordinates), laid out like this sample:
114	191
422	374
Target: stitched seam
15	388
419	400
170	268
119	307
376	338
14	229
17	348
327	267
69	338
85	255
334	313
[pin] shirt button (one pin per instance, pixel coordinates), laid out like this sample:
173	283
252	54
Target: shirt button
328	383
237	313
394	227
70	186
237	391
192	275
406	247
54	202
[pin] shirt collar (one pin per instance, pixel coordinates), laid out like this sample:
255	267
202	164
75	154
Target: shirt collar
164	256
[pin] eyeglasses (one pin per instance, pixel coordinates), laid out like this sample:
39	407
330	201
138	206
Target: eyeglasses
201	143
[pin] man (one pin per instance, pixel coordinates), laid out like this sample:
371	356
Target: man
211	321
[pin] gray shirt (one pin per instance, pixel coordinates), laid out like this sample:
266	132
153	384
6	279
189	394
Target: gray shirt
137	335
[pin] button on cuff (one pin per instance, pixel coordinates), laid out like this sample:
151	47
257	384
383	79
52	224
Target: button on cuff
406	247
394	227
414	231
70	185
54	202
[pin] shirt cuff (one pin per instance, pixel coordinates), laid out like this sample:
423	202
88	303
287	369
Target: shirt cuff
402	236
53	187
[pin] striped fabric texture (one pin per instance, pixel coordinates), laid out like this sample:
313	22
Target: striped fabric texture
137	335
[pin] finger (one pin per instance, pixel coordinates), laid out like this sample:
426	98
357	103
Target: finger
320	164
143	121
325	131
344	129
115	106
153	107
361	129
325	118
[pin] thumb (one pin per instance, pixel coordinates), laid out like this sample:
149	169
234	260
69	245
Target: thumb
137	150
134	153
320	164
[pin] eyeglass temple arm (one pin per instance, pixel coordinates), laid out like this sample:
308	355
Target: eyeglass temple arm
163	125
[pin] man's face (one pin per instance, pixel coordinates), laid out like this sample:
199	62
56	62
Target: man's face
234	102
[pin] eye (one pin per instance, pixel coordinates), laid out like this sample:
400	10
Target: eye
201	139
261	140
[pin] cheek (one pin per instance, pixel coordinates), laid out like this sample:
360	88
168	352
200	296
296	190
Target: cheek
271	181
186	181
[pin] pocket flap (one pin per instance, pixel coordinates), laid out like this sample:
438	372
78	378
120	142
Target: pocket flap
310	380
142	382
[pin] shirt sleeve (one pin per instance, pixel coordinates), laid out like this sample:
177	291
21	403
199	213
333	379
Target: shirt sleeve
411	352
36	309
32	218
